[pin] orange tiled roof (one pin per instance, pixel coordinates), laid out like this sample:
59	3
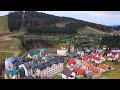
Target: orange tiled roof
93	69
102	66
85	63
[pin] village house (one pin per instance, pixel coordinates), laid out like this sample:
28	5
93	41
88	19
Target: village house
68	74
49	68
97	57
94	70
78	63
80	53
115	50
89	74
85	65
12	62
78	71
89	67
28	67
102	68
86	58
71	62
67	47
62	52
14	74
112	55
35	54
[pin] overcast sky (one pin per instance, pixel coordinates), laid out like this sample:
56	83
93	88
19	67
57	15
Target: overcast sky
100	17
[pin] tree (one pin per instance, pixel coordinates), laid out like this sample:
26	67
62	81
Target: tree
116	62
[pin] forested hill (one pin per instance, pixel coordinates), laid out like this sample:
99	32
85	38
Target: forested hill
42	23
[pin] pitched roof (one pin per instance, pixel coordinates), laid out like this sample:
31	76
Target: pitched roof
91	66
42	66
90	74
85	63
95	70
102	66
85	58
13	72
78	70
114	53
14	60
99	54
111	56
94	53
67	72
95	58
71	61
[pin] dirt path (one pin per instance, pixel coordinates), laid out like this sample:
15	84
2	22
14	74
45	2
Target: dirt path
6	38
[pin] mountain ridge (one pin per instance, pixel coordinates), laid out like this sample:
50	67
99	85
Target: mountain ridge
35	22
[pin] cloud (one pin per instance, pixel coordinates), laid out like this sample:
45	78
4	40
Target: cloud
105	13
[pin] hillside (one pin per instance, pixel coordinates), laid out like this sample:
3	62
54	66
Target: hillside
42	23
89	30
8	46
3	24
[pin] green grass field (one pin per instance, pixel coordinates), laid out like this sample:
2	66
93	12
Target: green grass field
4	55
90	30
111	74
3	24
56	77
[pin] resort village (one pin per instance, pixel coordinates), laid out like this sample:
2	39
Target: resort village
64	63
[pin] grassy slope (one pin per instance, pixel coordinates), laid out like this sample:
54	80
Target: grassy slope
11	46
4	55
90	30
111	74
3	24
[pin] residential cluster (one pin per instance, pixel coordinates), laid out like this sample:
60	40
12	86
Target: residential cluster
44	64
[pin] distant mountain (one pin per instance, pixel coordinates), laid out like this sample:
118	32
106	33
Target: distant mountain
41	23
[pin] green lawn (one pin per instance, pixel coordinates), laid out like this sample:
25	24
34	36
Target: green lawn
5	55
3	24
81	77
64	64
56	77
111	74
90	30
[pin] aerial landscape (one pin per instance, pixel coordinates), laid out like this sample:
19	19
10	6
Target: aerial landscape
59	45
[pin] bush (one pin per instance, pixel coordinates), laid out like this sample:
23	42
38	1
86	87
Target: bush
109	67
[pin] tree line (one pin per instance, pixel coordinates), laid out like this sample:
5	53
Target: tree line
111	41
37	23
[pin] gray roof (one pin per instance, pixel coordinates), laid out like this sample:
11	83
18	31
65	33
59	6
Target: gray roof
42	66
67	72
89	74
15	60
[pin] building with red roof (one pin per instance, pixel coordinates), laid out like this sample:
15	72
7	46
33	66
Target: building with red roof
94	70
102	67
86	58
85	65
97	59
71	62
78	71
